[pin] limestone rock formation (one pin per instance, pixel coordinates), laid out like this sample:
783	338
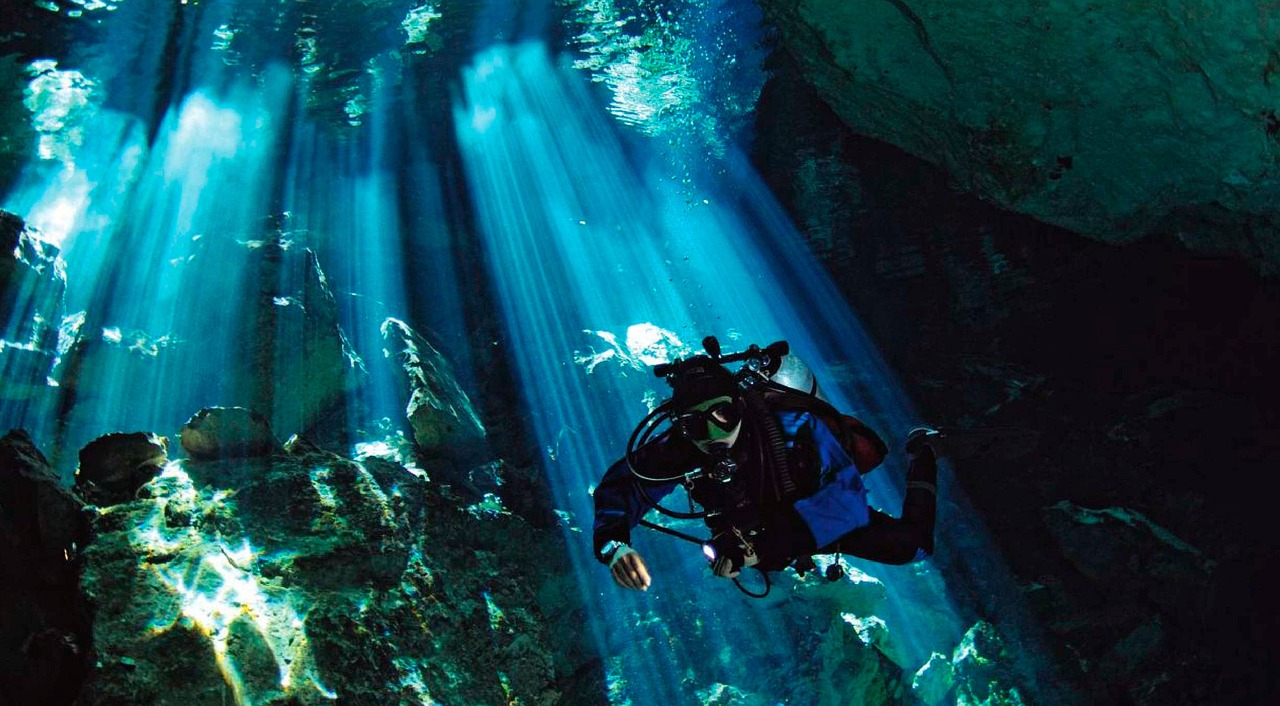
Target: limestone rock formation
309	577
113	467
44	643
1109	118
443	420
257	327
296	360
932	683
1135	558
227	432
853	670
32	284
981	669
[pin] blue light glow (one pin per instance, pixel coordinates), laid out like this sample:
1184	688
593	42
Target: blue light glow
587	233
618	224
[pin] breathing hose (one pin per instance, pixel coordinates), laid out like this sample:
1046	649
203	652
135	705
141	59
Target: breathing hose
776	443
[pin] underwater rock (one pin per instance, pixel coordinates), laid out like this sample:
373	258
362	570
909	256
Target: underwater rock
43	520
1111	119
982	671
726	695
443	420
297	361
33	282
113	467
932	682
258	328
312	578
287	356
227	432
42	646
1133	557
853	673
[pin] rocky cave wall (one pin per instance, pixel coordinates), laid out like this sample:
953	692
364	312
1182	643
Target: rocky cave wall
1112	119
1135	520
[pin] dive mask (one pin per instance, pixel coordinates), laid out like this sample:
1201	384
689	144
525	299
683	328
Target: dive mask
713	420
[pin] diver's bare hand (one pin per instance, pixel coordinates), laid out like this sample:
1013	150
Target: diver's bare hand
629	570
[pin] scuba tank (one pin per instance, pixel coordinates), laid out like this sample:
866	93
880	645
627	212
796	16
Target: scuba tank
792	372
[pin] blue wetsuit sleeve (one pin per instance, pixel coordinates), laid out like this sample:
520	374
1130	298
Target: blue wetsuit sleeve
621	500
840	505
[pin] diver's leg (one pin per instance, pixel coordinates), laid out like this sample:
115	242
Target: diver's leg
920	506
891	540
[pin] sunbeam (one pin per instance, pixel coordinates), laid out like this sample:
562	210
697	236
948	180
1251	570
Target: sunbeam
228	210
589	237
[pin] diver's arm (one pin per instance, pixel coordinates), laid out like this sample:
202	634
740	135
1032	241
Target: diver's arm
619	506
621	499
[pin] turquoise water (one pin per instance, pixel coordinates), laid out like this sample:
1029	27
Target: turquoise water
570	178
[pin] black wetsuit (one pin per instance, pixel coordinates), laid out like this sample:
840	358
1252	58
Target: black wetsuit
821	509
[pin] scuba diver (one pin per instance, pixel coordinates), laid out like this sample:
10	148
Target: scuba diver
776	471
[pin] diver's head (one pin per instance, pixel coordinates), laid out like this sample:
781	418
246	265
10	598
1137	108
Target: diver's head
706	406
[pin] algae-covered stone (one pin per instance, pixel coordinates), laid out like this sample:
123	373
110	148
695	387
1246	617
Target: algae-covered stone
443	420
171	665
310	578
983	671
853	671
238	567
113	467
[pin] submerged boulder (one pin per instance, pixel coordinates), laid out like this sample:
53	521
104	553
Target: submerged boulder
227	432
852	670
113	467
1111	119
982	671
932	682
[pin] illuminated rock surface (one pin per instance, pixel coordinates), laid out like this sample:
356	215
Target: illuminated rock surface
443	419
32	284
308	577
1112	119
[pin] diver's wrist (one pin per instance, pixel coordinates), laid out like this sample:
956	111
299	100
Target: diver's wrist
609	551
